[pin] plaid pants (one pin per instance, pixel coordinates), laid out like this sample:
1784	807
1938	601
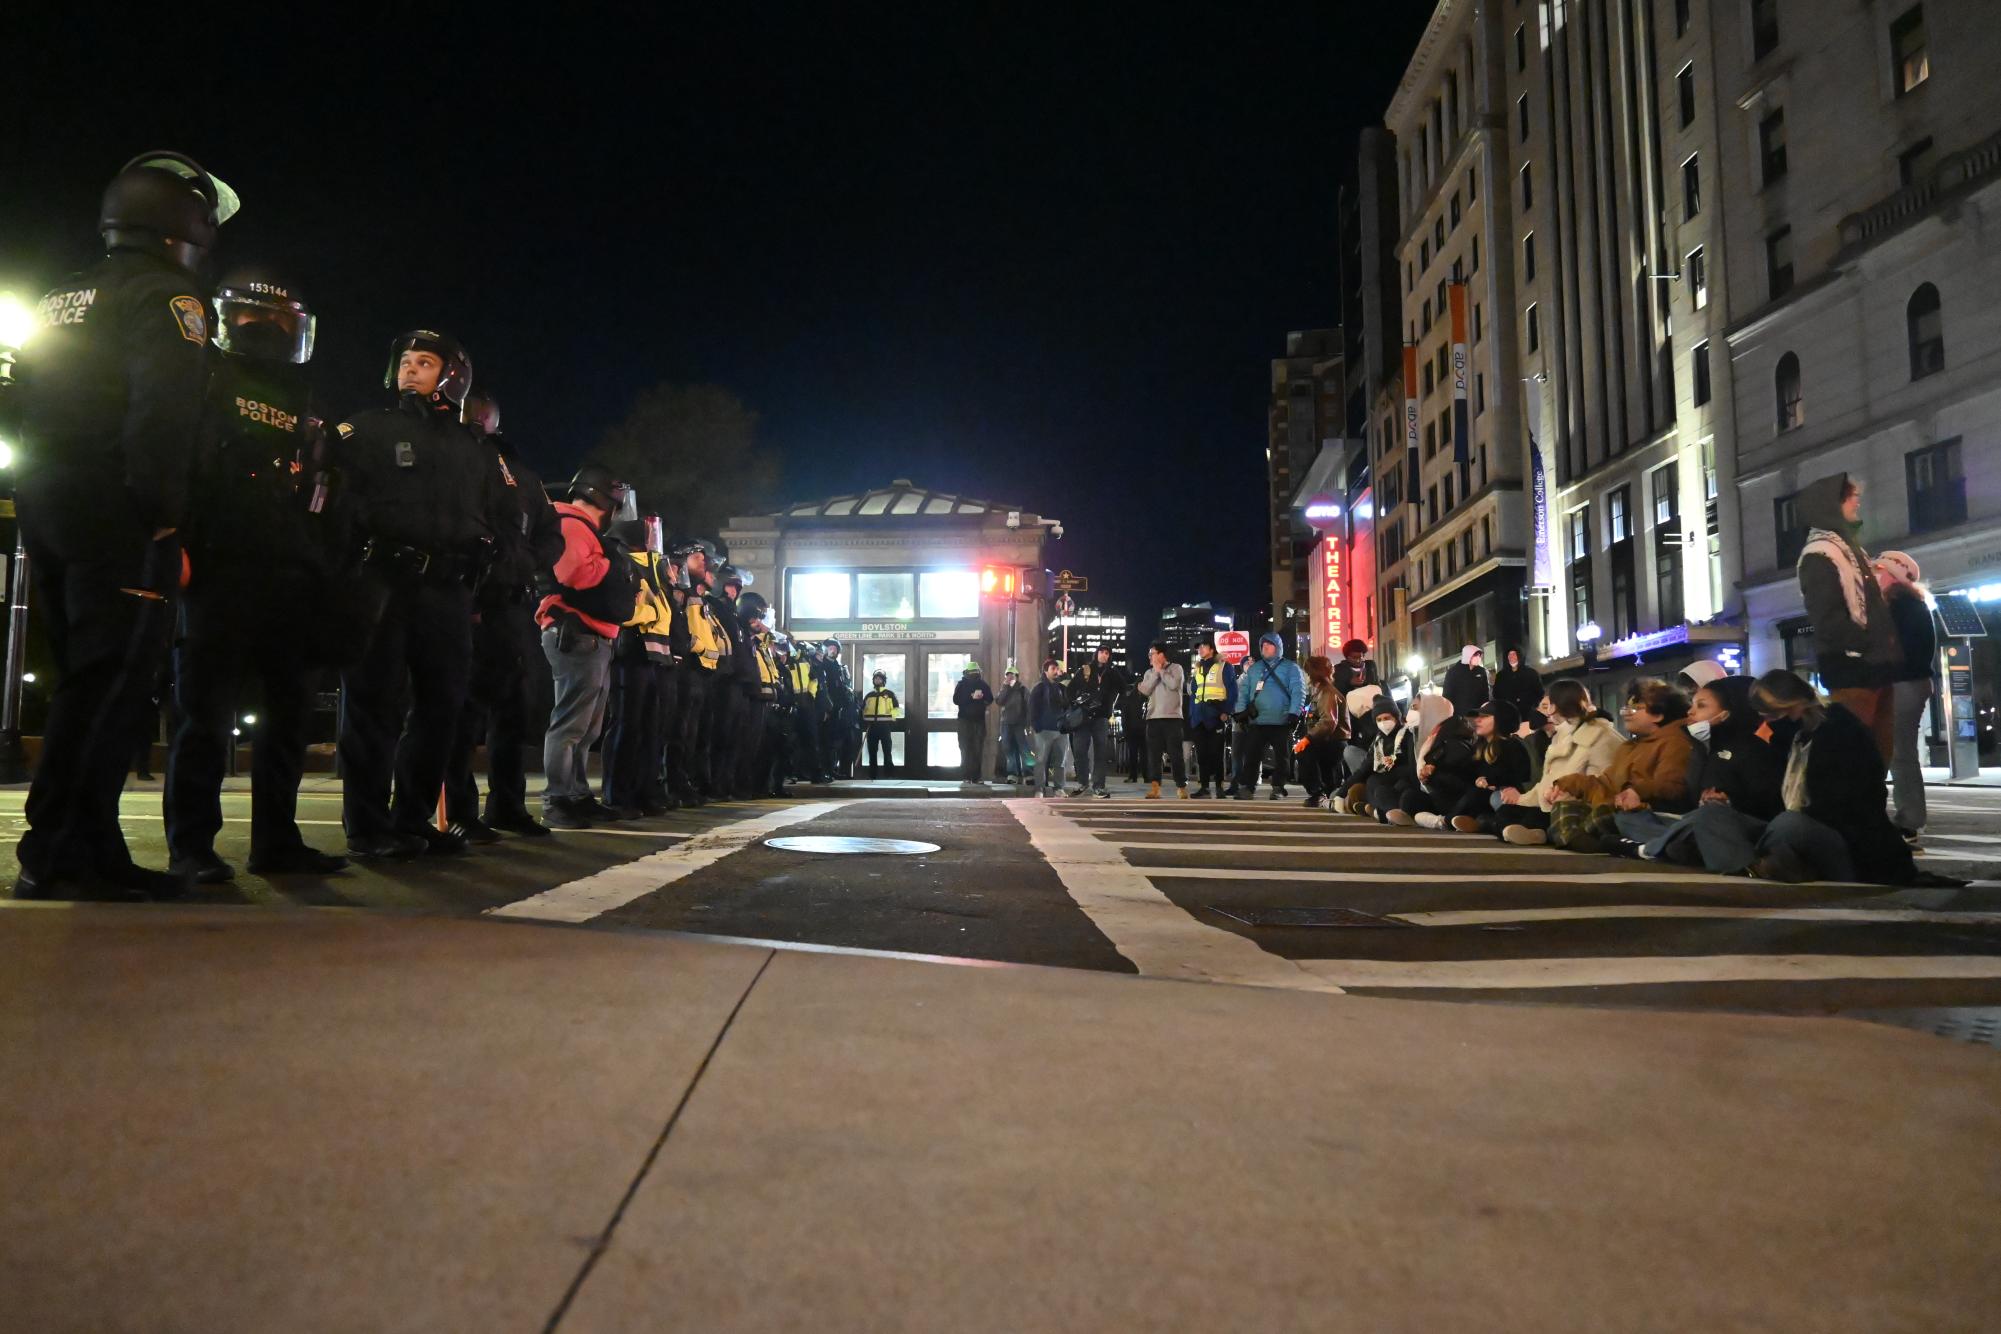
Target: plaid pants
1582	827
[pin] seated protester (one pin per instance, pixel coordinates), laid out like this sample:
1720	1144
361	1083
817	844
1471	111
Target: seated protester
1392	763
1426	713
1444	774
1736	764
1536	731
1500	763
1583	744
1361	734
1649	772
1834	824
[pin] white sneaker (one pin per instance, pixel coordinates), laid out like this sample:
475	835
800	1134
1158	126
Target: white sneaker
1338	805
1430	820
1400	817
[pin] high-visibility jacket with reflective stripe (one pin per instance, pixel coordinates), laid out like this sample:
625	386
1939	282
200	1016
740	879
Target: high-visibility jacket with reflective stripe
1209	687
879	706
705	636
803	680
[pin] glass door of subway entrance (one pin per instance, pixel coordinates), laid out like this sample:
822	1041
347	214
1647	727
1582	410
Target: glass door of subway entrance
935	736
894	664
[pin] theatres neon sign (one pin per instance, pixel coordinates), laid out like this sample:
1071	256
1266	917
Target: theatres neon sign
1330	591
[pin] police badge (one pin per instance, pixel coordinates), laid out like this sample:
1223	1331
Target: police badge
193	319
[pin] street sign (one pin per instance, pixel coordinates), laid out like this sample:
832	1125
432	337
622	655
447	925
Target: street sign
1234	645
1066	605
1067	582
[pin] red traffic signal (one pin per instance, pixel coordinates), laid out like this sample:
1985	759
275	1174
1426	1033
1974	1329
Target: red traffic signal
1000	583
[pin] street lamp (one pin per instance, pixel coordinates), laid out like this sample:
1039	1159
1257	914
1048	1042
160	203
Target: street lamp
1414	664
1587	643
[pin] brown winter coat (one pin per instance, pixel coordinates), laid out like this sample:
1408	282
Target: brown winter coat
1655	766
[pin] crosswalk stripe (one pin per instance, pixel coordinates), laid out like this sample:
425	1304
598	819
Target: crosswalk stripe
1144	925
1234	831
1470	878
1527	974
1490	848
1599	912
655	834
616	886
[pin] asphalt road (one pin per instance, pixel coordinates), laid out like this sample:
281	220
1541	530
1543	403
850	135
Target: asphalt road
1263	893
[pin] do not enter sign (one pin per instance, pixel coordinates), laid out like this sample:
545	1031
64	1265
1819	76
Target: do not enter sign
1234	645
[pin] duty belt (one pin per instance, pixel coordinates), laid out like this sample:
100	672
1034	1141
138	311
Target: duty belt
416	563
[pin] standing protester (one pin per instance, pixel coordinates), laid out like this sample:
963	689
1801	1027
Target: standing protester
1518	684
1166	725
1911	685
1132	725
631	753
972	698
436	510
1108	681
1326	724
110	401
504	643
880	710
1356	668
1854	638
1014	733
1212	683
594	588
1271	697
1083	720
1466	682
259	536
1047	704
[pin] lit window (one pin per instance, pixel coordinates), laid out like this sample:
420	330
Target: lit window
948	594
1910	66
1698	279
885	597
821	595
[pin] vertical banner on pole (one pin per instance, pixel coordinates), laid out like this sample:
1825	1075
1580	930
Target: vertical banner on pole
1542	553
1413	485
1462	420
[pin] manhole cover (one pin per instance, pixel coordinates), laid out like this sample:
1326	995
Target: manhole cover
901	847
1305	917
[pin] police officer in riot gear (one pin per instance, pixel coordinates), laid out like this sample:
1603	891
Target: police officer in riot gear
434	508
698	642
258	540
505	643
111	397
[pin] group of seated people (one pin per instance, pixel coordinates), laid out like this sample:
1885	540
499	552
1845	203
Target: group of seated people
1761	778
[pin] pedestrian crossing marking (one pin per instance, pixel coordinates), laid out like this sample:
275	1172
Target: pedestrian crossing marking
1604	912
1648	970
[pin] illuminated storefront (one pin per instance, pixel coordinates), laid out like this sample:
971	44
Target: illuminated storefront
898	576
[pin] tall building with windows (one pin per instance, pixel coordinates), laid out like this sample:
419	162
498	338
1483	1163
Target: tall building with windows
1452	487
1861	153
1610	114
1081	634
1306	409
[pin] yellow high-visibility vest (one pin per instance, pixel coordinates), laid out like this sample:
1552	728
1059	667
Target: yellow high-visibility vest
879	706
767	665
1209	687
803	680
705	637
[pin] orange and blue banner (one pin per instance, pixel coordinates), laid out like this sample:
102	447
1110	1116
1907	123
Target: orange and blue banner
1462	419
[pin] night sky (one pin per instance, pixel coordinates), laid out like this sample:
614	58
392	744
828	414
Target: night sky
1037	259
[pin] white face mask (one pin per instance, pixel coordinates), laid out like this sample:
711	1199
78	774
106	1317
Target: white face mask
1699	730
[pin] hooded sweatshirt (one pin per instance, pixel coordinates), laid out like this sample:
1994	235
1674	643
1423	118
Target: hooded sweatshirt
1741	758
1427	712
1466	684
1272	690
1854	637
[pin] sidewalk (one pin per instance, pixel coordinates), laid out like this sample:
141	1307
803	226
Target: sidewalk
229	1119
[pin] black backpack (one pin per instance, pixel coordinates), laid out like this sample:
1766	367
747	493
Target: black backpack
613	598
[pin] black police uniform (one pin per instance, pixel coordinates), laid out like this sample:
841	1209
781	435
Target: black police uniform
727	706
433	505
260	541
684	721
505	641
634	737
111	398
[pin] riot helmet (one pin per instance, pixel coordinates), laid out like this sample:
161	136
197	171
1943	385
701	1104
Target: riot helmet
752	607
598	485
731	574
262	316
454	377
481	412
165	200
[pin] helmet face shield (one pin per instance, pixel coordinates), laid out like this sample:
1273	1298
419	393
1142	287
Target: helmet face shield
628	505
264	326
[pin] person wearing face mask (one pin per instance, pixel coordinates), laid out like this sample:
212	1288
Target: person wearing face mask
1647	773
109	403
434	508
1581	743
1737	767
